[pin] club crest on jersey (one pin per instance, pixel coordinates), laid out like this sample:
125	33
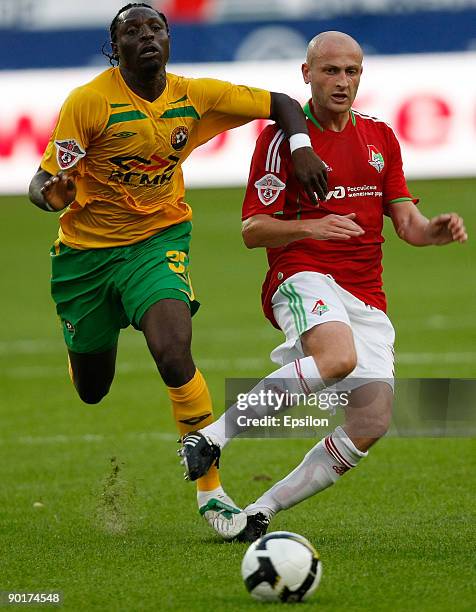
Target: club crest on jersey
179	137
320	307
269	187
68	153
376	158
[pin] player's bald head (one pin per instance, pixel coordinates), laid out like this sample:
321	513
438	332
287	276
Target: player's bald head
331	43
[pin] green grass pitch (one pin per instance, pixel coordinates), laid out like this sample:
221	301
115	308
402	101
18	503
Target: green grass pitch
117	528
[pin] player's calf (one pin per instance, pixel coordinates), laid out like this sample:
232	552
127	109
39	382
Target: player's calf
322	466
92	374
369	414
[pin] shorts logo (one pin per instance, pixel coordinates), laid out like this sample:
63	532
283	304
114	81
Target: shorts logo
179	137
269	187
68	153
69	326
375	158
320	307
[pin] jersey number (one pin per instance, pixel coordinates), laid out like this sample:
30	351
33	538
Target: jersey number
176	261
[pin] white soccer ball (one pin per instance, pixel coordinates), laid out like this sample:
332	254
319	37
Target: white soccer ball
281	566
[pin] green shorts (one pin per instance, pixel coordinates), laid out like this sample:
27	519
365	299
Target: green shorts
99	291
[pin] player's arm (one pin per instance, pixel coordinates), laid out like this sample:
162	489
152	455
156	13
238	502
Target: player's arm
251	103
267	231
310	170
414	228
51	192
83	117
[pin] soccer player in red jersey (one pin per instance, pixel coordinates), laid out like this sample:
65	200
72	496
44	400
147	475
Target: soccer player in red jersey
324	284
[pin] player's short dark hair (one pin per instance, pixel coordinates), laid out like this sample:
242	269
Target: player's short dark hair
113	27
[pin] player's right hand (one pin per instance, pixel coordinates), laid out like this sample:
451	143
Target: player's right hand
335	227
59	190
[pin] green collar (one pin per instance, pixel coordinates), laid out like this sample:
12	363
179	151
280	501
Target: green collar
309	115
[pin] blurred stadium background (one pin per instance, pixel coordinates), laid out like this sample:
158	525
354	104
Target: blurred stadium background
420	58
419	75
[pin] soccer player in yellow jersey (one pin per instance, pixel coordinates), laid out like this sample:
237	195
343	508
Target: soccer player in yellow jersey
113	164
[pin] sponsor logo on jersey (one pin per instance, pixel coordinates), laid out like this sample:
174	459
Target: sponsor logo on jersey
124	134
338	192
269	187
179	137
141	172
353	191
68	153
376	158
320	307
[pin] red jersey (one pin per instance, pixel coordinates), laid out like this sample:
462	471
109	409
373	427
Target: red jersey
364	170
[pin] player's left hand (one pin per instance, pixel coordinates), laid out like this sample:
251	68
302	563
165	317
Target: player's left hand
311	172
446	228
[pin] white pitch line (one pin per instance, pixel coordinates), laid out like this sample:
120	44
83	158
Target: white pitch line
238	365
211	365
34	346
29	347
436	322
88	438
435	358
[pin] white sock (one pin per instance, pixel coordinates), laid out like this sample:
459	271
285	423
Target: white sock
302	376
204	496
320	468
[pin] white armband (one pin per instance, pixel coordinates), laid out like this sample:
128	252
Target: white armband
298	141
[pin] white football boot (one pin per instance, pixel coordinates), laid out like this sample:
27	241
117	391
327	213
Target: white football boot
221	513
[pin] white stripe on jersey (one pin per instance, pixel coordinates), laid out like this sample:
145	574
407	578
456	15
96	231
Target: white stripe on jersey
276	160
374	119
273	152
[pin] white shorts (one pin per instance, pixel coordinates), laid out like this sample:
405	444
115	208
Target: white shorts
307	299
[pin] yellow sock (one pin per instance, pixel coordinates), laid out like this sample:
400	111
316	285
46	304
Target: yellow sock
192	408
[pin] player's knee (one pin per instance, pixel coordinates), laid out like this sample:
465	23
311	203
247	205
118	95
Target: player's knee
169	355
174	362
337	367
345	365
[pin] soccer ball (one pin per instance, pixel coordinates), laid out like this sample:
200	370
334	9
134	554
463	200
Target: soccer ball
281	566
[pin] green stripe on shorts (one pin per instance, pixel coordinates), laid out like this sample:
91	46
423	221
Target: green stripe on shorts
295	305
300	307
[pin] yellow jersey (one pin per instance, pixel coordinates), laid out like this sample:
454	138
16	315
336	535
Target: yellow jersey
126	152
